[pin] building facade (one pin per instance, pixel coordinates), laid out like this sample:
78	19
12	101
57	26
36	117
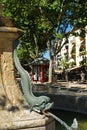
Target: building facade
74	52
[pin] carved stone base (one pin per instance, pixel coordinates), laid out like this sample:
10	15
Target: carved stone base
24	120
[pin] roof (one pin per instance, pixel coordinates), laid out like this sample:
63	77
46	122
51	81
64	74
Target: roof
39	61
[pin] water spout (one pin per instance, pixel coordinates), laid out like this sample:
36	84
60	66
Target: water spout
74	125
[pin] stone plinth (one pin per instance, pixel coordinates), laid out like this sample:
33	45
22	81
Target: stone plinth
24	120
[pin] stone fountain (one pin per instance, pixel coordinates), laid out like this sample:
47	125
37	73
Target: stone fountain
15	113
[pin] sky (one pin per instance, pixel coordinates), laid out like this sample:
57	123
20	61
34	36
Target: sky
46	55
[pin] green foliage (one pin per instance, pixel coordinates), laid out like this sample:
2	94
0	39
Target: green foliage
59	36
40	18
26	15
63	62
24	54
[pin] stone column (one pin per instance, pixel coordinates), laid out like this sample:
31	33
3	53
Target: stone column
70	46
8	85
77	50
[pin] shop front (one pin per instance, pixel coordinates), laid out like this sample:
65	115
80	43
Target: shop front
40	68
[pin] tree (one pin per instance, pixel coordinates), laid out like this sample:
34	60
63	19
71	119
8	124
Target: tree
27	16
66	15
44	21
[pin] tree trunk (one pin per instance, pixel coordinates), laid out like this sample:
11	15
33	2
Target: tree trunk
51	69
51	62
35	40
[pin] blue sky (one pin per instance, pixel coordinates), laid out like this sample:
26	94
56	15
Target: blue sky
46	55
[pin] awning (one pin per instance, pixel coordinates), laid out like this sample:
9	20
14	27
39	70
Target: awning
39	61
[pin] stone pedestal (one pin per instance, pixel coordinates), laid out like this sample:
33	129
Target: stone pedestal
24	120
